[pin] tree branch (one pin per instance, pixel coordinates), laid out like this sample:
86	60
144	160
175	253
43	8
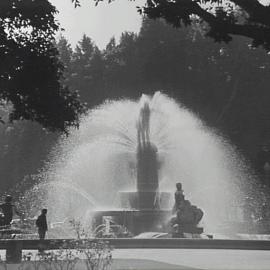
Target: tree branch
260	34
258	13
220	28
178	12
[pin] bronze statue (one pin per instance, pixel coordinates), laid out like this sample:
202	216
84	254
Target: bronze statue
143	125
179	197
187	216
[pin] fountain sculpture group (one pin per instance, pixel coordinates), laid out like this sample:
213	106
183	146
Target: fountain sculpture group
147	209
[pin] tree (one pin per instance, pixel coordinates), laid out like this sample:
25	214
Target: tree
87	71
65	53
122	67
30	70
27	145
65	56
224	18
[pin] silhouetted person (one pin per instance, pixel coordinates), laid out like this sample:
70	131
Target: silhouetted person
8	209
41	223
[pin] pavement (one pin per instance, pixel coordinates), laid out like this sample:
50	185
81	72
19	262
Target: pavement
210	259
137	264
180	259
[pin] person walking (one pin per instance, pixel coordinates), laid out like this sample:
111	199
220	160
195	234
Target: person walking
41	223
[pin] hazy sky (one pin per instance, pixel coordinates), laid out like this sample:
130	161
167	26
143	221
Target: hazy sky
101	22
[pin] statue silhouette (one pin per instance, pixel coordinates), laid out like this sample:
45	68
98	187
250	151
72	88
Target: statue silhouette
143	125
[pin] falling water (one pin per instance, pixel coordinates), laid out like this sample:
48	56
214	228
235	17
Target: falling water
98	160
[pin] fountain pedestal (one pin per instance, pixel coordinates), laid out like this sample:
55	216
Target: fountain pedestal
143	199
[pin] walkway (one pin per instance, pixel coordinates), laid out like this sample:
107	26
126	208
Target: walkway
141	259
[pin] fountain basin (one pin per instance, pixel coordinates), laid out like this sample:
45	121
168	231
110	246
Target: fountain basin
134	220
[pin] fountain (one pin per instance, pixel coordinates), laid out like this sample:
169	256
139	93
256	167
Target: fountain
144	209
128	155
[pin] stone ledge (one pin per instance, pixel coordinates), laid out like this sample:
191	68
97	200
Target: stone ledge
119	243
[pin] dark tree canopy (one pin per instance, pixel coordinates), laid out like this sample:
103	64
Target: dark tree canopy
224	18
30	70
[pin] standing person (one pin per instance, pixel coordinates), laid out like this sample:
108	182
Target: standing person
41	223
8	209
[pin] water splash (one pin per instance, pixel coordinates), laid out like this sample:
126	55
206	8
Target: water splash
99	158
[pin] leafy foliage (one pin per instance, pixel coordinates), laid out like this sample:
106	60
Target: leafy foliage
83	69
30	69
224	18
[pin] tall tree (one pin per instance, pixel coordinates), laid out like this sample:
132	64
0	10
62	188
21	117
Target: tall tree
30	70
65	56
24	149
122	66
87	70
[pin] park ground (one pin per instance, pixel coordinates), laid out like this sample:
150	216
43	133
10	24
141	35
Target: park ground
189	259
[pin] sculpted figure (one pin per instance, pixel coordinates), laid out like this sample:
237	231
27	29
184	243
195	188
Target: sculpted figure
187	216
179	197
143	125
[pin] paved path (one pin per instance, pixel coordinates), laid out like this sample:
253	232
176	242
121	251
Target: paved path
191	259
185	259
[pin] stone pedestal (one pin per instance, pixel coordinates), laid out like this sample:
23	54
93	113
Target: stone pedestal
145	200
14	251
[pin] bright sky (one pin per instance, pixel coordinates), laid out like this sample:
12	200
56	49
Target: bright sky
102	22
99	23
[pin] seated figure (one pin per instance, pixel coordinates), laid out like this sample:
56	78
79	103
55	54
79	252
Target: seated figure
188	214
198	213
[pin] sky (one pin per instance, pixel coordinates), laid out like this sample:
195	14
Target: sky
99	23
